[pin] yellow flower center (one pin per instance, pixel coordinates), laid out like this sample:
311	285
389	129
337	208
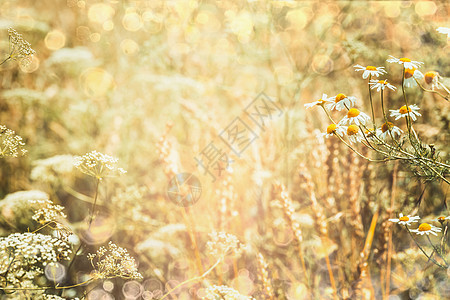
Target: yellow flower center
331	128
404	218
352	130
409	73
382	81
353	112
369	132
441	219
339	97
371	68
429	76
403	110
424	227
404	59
386	126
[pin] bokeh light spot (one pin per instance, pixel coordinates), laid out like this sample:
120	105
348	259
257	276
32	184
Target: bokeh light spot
108	25
55	40
298	18
391	9
102	227
55	272
95	37
425	8
129	47
132	290
108	285
100	13
322	64
132	21
99	294
30	64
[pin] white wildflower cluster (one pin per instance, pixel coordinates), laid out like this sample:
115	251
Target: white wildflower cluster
50	170
423	228
113	261
47	211
54	297
355	123
23	255
10	143
19	48
98	165
222	243
224	292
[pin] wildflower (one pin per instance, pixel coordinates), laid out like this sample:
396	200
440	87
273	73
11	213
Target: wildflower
19	48
224	292
370	134
48	212
383	132
426	228
412	110
370	70
332	129
381	85
442	219
405	220
341	101
444	30
410	77
355	116
98	165
354	134
407	63
432	78
10	143
320	102
113	261
223	243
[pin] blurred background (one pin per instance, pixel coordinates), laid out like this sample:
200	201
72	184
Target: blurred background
153	83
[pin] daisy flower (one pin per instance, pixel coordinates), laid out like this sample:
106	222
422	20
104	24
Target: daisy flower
410	76
355	116
383	132
321	101
370	134
442	219
412	110
332	129
381	85
354	134
341	101
409	64
405	220
432	78
444	30
426	228
370	70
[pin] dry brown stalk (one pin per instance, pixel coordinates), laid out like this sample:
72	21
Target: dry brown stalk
320	220
288	210
264	277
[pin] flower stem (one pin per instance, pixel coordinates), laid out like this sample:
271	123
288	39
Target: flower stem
423	251
371	103
193	279
437	250
95	202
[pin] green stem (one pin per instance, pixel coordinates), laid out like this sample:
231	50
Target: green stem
371	104
423	251
437	250
8	58
194	279
95	201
